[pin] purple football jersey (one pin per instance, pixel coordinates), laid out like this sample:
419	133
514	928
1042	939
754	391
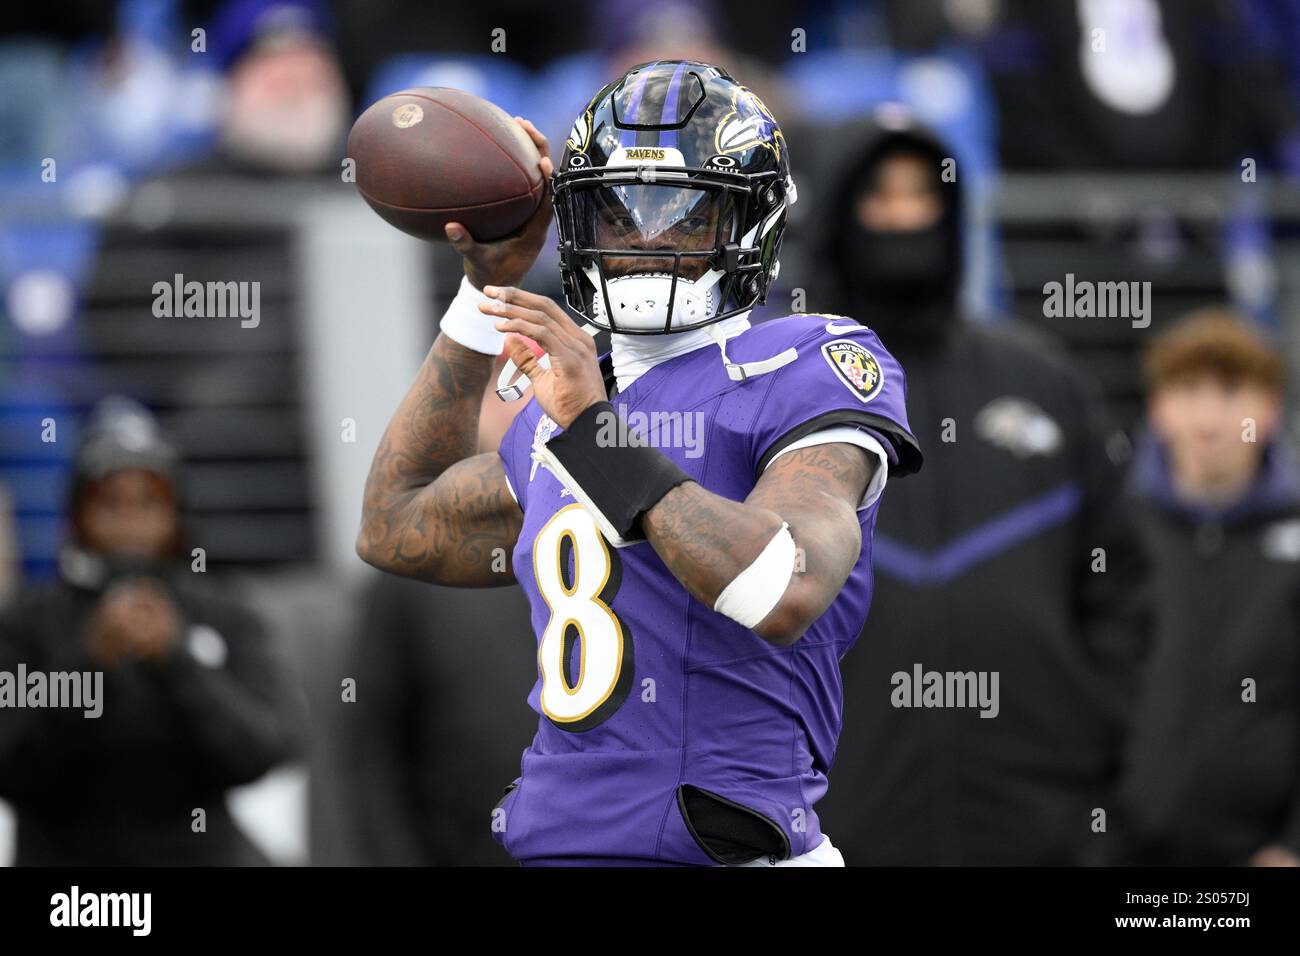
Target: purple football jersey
641	688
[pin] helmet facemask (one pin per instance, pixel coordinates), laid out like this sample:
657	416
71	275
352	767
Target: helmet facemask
648	251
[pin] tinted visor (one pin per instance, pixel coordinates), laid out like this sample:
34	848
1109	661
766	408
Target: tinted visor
653	216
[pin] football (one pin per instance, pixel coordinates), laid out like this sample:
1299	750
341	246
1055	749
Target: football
429	156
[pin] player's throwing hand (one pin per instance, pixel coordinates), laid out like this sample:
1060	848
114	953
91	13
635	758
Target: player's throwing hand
508	260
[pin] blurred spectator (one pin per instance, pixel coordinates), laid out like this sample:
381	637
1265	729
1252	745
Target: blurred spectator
287	106
192	702
1214	771
985	562
441	716
1136	84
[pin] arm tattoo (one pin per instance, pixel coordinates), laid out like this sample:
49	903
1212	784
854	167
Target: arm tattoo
707	540
433	509
817	490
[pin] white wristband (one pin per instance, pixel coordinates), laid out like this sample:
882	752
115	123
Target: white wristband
465	325
753	592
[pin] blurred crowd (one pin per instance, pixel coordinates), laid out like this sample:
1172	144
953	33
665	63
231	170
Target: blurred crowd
1131	577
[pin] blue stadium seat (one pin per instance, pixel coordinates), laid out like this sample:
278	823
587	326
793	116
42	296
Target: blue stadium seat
40	367
30	78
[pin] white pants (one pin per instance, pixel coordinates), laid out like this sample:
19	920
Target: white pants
824	854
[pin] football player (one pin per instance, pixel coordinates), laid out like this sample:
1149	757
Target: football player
689	516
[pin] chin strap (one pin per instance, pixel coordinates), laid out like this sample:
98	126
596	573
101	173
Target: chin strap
739	371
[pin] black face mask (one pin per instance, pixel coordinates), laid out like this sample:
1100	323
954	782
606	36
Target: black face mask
903	283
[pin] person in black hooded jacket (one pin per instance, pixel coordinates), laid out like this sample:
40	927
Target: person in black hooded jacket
1010	561
1213	770
181	697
